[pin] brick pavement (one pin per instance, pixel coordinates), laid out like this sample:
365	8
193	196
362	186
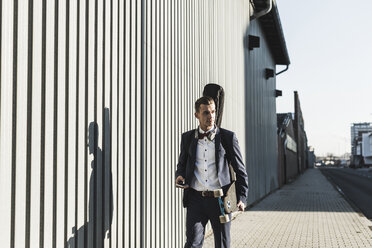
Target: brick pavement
306	213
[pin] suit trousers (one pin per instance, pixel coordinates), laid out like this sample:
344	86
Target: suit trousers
199	210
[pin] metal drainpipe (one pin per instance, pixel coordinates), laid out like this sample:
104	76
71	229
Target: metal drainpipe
282	71
269	4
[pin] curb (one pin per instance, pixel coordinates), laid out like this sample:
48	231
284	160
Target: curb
339	190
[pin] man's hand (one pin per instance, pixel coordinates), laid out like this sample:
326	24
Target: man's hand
241	206
181	180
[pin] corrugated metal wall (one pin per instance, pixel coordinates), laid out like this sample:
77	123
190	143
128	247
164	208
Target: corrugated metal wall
94	97
287	157
261	120
300	135
291	156
70	123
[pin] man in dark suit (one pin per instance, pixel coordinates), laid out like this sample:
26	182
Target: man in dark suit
204	167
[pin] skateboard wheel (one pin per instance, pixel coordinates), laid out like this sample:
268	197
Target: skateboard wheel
224	218
218	193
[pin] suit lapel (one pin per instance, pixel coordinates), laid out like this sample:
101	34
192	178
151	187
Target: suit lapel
192	149
217	142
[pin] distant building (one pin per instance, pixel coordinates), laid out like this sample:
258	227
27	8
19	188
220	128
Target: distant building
287	149
357	129
311	157
361	144
300	135
294	155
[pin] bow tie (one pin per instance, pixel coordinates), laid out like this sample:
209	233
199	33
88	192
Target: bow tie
202	135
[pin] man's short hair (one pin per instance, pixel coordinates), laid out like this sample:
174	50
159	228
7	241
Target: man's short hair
206	100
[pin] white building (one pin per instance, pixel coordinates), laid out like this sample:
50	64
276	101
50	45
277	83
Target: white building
367	148
357	129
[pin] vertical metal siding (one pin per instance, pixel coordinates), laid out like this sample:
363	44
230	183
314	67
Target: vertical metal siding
94	96
6	120
261	120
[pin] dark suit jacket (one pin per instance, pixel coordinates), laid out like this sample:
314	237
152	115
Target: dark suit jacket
229	151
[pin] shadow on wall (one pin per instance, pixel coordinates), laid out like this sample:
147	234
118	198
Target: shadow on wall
98	228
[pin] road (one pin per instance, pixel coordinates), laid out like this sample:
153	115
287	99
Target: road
356	184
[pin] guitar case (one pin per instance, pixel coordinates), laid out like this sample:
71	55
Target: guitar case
216	92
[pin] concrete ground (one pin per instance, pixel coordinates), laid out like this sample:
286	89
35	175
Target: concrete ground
306	213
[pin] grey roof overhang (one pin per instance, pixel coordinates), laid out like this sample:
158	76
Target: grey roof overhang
273	31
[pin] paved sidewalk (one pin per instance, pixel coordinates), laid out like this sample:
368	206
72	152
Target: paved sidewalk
307	213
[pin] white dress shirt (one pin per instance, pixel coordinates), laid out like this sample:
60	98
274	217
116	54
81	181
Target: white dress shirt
205	172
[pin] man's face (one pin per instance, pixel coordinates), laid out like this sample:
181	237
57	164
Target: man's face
206	116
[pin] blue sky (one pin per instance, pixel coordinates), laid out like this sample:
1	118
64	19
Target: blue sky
330	48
